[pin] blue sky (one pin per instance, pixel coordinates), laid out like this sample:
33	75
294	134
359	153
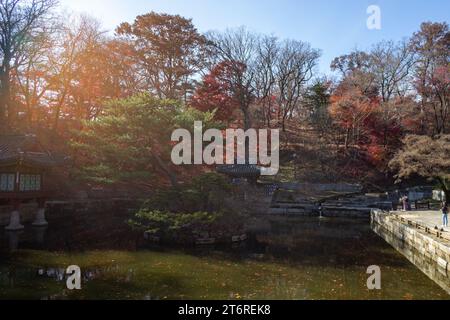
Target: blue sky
334	26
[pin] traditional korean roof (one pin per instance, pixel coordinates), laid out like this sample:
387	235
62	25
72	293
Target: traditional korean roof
26	149
240	170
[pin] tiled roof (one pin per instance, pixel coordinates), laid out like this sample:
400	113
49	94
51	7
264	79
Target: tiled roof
10	144
25	149
240	170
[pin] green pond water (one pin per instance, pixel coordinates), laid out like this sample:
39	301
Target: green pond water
283	259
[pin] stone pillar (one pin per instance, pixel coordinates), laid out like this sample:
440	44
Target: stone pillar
40	220
14	223
39	234
13	240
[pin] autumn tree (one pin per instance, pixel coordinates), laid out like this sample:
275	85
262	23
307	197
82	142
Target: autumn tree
351	63
425	157
94	77
266	73
384	70
215	93
30	78
268	50
294	69
81	74
391	65
351	110
355	97
168	50
383	76
432	48
124	73
20	23
237	48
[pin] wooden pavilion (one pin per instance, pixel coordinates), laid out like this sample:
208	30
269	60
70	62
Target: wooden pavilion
251	173
24	163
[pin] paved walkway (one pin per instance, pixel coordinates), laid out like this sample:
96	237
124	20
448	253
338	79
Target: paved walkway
428	218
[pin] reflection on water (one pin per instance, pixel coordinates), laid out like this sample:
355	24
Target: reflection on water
283	258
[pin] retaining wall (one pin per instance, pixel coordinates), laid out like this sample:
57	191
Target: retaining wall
427	252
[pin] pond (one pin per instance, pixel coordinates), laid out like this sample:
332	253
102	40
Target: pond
284	258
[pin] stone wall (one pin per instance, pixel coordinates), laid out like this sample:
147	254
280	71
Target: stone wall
347	212
426	251
308	210
334	187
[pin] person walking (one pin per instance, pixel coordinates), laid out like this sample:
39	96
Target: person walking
445	214
405	202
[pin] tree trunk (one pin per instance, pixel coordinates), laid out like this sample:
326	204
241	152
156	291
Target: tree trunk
58	109
5	108
446	192
247	120
444	188
347	138
172	177
3	120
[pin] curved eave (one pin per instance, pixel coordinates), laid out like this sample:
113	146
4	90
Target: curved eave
27	162
240	171
24	195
